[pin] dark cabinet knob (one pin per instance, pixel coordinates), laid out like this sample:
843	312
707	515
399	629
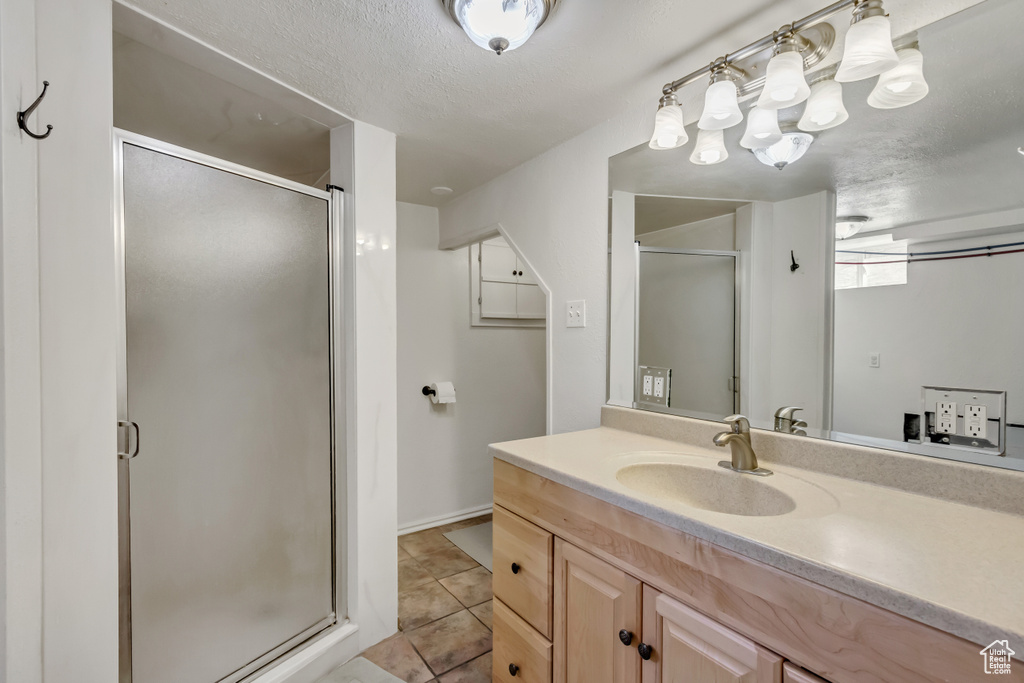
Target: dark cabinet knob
626	637
515	568
513	669
520	273
645	651
513	272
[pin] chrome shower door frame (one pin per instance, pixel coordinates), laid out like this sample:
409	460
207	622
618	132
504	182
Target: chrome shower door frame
336	297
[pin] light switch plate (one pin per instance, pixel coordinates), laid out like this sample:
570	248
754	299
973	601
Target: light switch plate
576	314
875	360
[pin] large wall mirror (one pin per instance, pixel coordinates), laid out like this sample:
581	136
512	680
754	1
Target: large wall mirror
876	283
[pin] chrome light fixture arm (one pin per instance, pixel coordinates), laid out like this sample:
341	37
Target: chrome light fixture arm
767	42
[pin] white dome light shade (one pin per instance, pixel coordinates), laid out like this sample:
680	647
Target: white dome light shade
762	129
783	153
825	108
868	50
710	148
721	107
848	226
903	85
669	132
499	25
785	84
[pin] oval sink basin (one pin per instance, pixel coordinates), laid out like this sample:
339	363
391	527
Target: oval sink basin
712	489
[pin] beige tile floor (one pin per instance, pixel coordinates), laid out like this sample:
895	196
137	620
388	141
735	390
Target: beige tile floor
444	612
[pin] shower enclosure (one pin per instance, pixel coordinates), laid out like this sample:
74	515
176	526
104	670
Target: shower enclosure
226	401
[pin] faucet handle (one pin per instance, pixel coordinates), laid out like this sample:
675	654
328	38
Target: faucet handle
786	413
740	424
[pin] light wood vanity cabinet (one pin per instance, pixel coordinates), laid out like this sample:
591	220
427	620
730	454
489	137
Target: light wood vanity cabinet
707	615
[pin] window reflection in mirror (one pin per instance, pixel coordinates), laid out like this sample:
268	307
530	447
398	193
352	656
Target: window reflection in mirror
899	328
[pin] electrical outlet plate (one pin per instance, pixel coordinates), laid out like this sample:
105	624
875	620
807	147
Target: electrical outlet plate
576	314
964	419
654	386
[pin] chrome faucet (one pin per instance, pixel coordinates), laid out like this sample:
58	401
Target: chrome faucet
786	423
743	458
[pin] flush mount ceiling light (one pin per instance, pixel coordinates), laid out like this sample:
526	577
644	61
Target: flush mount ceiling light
825	108
869	51
669	132
499	25
785	57
441	191
903	85
721	102
786	151
710	149
762	129
848	226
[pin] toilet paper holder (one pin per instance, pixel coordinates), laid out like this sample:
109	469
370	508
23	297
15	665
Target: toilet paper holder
427	391
440	393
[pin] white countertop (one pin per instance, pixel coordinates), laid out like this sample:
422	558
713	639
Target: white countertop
954	567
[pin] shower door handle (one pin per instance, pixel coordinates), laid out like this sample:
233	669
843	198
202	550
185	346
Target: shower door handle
128	453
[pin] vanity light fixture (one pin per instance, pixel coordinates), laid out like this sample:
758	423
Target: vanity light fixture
790	149
710	149
869	51
848	226
785	57
903	85
785	84
762	129
721	102
825	108
669	131
499	25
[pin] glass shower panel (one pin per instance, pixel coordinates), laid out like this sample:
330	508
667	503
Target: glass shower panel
686	321
227	286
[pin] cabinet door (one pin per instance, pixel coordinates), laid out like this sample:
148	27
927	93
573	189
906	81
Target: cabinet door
498	300
791	673
531	303
691	648
498	263
593	602
525	277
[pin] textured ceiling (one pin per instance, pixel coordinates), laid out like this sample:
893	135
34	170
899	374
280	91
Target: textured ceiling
953	154
463	115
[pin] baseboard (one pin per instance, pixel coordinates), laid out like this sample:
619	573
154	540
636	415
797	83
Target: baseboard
432	522
322	656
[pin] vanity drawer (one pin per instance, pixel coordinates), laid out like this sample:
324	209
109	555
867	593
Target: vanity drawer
517	644
523	565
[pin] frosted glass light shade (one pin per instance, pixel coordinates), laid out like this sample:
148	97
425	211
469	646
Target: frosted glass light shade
499	25
669	132
710	148
868	50
762	129
721	107
785	83
825	108
785	152
903	85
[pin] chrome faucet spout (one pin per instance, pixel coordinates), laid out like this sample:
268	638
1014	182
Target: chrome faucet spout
744	459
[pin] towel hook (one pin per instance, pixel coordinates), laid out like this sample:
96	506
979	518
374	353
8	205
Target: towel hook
23	116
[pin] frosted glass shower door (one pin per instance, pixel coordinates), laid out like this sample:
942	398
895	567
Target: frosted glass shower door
228	376
686	321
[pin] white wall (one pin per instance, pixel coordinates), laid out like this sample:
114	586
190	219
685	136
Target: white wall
21	579
499	373
363	162
955	323
717	234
